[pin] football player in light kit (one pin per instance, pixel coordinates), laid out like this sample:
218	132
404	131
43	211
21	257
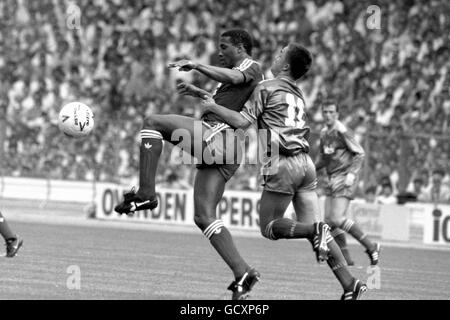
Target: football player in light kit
13	242
342	156
278	106
238	77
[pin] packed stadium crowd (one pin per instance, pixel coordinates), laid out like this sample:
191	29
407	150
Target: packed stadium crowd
391	81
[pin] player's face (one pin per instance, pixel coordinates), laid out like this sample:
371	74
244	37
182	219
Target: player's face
329	114
228	53
279	62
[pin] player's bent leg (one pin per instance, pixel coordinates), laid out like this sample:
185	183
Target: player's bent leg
155	129
335	209
340	206
306	205
271	222
307	208
208	190
273	225
340	238
178	130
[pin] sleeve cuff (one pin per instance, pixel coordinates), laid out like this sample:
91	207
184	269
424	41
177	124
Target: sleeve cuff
248	117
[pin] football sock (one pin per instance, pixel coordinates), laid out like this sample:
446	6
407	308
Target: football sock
150	150
336	262
284	228
339	237
352	228
221	240
5	231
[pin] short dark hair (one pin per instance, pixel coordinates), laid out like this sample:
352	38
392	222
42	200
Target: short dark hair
240	36
299	58
331	102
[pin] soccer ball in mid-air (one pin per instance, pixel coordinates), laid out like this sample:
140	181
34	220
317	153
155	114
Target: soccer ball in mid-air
76	120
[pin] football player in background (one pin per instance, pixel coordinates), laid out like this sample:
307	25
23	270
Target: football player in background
237	78
13	241
278	106
342	156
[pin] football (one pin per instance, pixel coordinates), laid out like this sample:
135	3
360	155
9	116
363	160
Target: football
76	120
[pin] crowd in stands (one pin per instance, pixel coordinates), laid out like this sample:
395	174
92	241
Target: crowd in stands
391	78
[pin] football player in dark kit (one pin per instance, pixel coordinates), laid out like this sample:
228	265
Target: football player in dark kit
238	77
278	106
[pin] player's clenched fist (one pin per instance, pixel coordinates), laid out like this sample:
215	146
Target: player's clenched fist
183	65
186	89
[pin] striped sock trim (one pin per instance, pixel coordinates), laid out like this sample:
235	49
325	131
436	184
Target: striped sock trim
146	133
269	231
213	228
292	230
336	231
329	238
347	225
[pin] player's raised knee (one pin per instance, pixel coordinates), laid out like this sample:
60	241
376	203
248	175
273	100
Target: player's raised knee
267	231
153	122
334	221
202	221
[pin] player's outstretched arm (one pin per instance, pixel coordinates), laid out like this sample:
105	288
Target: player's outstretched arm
233	118
223	75
219	74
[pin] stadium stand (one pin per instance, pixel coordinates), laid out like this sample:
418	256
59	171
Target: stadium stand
389	81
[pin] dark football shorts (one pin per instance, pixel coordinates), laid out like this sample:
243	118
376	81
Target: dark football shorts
220	149
291	175
336	187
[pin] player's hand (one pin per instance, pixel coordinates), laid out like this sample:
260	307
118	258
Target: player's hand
207	104
187	89
349	179
183	65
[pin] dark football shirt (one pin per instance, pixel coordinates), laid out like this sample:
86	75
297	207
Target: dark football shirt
234	96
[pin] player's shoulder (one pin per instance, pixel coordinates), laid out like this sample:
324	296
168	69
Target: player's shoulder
269	84
248	63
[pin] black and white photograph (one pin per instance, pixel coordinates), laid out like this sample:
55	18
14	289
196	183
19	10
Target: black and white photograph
208	151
